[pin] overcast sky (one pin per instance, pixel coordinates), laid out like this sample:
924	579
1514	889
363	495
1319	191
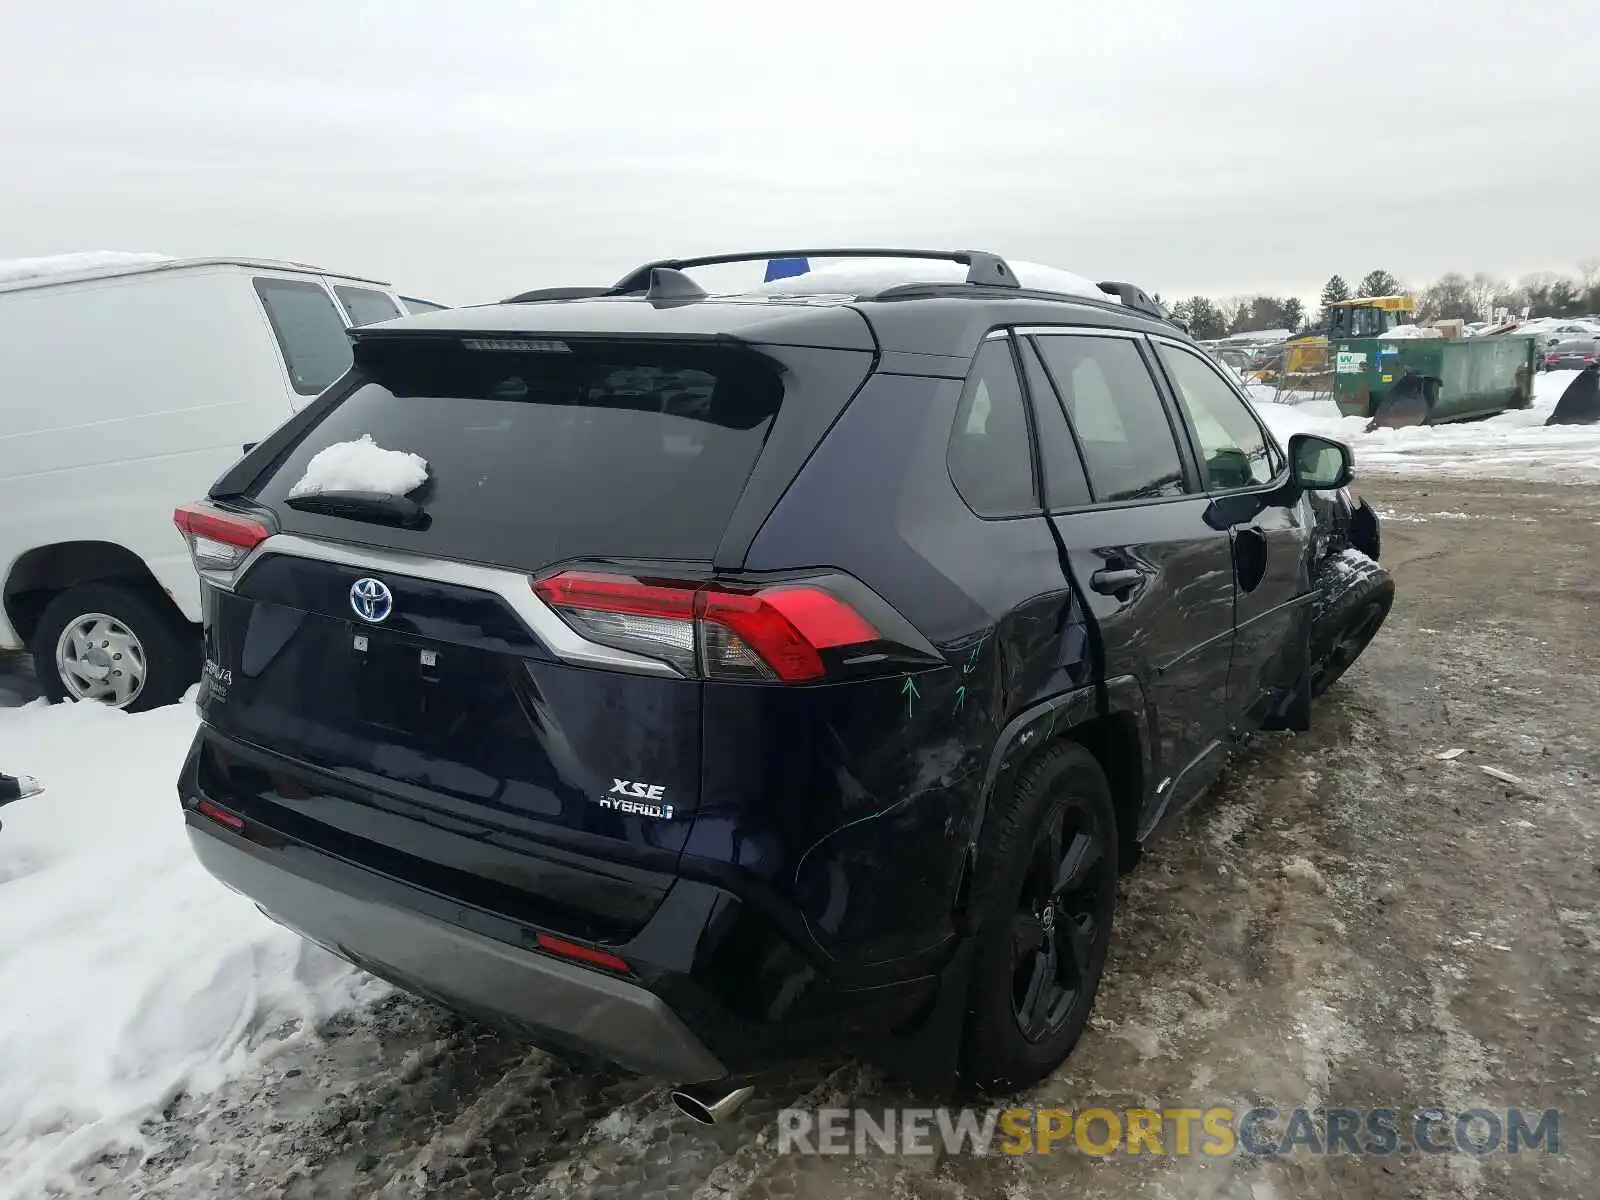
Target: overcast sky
467	150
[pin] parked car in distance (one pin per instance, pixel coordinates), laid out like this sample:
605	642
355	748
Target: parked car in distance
126	387
746	678
1572	356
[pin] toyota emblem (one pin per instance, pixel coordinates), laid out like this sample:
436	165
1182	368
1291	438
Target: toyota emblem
371	599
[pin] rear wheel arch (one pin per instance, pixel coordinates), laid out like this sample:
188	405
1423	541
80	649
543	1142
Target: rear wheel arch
1114	732
44	572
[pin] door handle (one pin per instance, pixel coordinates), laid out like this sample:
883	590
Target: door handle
1114	583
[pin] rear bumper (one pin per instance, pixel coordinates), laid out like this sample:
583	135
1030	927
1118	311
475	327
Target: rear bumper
565	1004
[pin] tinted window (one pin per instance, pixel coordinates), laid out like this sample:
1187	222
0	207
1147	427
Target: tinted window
1234	452
1065	484
991	460
310	332
365	306
1116	411
613	451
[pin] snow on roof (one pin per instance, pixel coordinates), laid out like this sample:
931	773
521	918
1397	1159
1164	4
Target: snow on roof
862	275
84	261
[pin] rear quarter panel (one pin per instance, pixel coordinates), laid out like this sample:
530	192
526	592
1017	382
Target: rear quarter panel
857	801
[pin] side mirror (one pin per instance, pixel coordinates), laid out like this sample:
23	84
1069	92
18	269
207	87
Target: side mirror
1319	464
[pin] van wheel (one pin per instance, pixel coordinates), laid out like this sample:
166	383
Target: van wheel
109	643
1045	924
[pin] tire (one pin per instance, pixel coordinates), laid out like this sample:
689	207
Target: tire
1354	595
1042	972
169	650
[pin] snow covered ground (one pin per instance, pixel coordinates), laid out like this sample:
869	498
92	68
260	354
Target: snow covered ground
127	973
1513	445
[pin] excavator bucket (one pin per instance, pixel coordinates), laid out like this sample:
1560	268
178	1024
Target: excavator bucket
1405	405
1580	403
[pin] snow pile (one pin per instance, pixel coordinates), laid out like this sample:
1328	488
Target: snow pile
1512	445
361	466
14	269
853	276
127	974
1405	332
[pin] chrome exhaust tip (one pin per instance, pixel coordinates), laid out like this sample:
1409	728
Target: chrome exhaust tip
708	1106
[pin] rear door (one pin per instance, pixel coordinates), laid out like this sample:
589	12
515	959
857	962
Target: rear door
417	667
1271	530
1156	576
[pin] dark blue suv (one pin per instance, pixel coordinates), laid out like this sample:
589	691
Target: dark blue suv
761	675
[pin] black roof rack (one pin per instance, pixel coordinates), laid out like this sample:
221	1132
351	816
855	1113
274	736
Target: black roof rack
663	281
982	267
1133	297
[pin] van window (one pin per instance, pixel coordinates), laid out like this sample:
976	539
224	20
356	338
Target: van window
310	332
414	306
365	306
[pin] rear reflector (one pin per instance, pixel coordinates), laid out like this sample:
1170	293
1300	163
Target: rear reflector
588	955
221	816
772	633
218	541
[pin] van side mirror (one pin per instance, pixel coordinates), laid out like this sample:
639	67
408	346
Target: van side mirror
1319	464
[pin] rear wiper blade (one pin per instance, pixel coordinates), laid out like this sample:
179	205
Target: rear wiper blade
380	508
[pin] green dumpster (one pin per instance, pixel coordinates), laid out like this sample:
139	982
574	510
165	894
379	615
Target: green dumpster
1432	380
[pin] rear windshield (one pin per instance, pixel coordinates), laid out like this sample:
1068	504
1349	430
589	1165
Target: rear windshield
535	456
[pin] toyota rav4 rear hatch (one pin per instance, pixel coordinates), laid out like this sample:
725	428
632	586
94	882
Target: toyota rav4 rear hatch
439	685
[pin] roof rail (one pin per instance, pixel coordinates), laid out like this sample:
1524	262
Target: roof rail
1134	297
556	293
982	267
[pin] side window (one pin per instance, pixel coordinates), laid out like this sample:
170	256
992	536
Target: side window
990	458
365	306
1234	452
1065	484
1117	414
414	306
310	332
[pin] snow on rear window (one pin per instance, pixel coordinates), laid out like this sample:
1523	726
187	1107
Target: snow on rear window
361	466
47	266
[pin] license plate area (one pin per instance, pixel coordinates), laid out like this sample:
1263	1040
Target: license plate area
399	681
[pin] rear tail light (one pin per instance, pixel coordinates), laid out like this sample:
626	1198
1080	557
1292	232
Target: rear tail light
219	542
775	633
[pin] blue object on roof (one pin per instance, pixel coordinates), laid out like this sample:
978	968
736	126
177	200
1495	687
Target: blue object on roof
785	268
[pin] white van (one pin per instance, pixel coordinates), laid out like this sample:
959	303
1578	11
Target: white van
126	388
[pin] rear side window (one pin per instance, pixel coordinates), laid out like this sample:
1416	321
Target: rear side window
617	450
1065	484
1112	402
365	306
413	305
991	460
1234	452
310	332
